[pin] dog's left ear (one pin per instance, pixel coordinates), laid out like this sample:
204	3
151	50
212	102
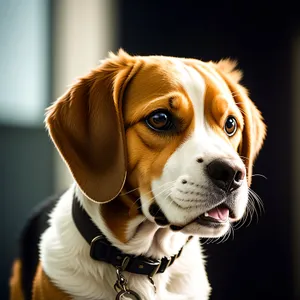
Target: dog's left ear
254	131
86	126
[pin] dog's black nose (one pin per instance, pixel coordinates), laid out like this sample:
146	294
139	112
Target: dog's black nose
225	174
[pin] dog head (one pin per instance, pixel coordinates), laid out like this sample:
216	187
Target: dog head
179	136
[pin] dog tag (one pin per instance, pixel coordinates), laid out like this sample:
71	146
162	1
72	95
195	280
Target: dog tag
127	295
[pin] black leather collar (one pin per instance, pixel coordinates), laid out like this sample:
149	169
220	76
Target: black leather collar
102	250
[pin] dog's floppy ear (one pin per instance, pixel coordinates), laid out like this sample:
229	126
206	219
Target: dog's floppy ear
254	131
86	125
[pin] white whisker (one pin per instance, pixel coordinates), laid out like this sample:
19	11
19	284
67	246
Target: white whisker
254	207
151	191
260	175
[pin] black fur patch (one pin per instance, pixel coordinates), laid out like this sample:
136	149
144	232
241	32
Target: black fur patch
29	242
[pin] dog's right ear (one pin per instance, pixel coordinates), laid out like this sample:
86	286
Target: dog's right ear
86	126
254	131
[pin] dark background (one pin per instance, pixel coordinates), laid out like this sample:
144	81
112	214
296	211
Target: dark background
258	263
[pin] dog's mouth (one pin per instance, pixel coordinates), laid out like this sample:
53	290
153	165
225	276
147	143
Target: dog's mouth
215	217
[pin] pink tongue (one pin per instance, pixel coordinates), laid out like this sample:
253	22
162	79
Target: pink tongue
219	213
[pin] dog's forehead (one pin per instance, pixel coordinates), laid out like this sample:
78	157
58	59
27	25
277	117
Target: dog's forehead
202	83
194	85
159	76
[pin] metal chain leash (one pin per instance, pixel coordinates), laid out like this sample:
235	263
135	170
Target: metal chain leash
121	285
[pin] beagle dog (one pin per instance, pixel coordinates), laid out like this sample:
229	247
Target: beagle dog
161	150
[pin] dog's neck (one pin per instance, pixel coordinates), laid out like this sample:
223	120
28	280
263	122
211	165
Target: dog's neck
65	255
139	235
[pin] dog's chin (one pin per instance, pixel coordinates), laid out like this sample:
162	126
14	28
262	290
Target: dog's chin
206	231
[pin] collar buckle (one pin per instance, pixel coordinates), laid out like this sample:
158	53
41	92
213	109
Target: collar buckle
155	270
99	249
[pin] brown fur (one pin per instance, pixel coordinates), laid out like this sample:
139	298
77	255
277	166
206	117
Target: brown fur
87	128
16	292
219	103
44	289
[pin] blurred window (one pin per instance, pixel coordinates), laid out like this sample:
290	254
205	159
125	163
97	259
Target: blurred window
24	61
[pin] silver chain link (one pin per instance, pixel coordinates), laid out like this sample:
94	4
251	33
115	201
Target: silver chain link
121	285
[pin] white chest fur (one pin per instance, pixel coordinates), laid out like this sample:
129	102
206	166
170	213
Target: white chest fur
64	255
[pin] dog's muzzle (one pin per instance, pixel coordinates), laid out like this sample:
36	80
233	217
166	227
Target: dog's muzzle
226	177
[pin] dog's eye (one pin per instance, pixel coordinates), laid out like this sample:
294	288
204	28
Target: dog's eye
160	120
230	126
